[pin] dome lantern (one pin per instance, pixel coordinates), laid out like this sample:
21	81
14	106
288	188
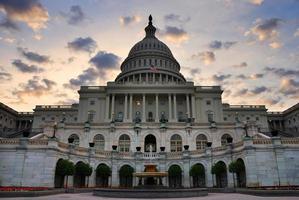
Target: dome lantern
150	30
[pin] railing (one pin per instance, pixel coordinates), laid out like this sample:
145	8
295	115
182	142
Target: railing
261	141
247	106
238	144
103	153
174	154
149	155
222	148
38	142
289	140
197	152
54	106
14	141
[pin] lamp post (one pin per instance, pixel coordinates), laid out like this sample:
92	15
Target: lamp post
55	128
246	131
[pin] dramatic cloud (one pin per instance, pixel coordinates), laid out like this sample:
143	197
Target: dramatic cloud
23	67
176	18
241	92
241	65
32	56
88	77
9	24
289	87
174	34
30	12
75	15
216	44
4	76
281	72
83	44
252	76
220	78
105	60
259	90
207	57
34	88
128	20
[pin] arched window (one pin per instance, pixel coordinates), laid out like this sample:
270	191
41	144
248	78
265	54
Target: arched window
124	143
224	139
201	142
91	115
99	142
175	143
76	140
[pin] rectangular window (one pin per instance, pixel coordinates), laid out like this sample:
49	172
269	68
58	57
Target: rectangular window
91	102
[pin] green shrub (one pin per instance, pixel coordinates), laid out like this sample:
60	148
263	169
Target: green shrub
83	169
174	170
197	170
103	171
218	168
126	171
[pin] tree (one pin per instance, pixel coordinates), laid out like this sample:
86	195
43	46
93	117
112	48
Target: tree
83	169
219	169
126	172
65	168
103	172
236	167
197	172
175	176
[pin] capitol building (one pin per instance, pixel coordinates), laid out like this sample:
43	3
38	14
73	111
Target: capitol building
150	115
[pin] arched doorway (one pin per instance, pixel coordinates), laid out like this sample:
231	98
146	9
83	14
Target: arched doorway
220	170
197	172
241	173
126	176
79	177
150	143
175	176
59	174
103	172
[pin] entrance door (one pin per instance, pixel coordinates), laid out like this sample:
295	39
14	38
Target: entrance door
150	143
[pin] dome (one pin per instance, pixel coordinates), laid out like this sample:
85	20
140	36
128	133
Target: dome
149	56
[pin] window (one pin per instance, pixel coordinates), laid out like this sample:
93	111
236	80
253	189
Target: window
75	118
201	142
210	116
120	117
43	118
91	102
150	116
91	115
224	139
99	142
175	143
76	141
208	102
124	143
247	118
225	119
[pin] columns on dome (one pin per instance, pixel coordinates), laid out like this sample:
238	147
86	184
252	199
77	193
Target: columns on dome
143	108
169	107
188	105
175	114
126	108
131	108
157	108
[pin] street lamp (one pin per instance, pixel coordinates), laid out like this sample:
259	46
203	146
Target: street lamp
55	128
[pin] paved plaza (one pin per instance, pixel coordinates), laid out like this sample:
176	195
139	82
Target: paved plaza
211	196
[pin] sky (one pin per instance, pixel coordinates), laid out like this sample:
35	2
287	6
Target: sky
49	48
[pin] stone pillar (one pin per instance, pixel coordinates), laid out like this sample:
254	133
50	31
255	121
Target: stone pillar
160	78
250	163
169	108
140	78
143	108
193	106
175	114
146	77
157	108
131	108
186	176
188	105
112	106
114	169
107	107
209	175
126	108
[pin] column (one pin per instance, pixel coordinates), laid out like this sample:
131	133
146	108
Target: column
175	114
169	108
140	78
154	77
112	106
157	108
143	108
146	77
160	78
188	105
193	106
107	107
131	107
126	108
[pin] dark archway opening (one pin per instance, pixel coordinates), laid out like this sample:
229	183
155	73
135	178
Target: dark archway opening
59	177
103	172
197	172
126	176
150	143
241	173
175	176
221	174
79	177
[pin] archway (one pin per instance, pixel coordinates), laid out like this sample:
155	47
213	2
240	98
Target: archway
126	176
220	170
197	172
103	172
225	138
59	175
241	173
175	176
79	177
75	139
150	143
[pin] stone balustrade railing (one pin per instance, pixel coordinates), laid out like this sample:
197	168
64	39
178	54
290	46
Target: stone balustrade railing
289	140
258	141
149	155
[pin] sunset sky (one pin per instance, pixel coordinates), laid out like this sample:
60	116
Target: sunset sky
48	48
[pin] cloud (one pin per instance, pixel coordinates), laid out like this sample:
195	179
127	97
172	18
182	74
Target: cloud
9	24
241	65
289	87
281	72
105	60
34	87
216	44
241	92
296	34
266	30
256	2
34	57
83	44
66	102
30	12
259	90
23	67
128	20
75	15
220	78
252	76
87	77
174	34
4	76
207	57
176	18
